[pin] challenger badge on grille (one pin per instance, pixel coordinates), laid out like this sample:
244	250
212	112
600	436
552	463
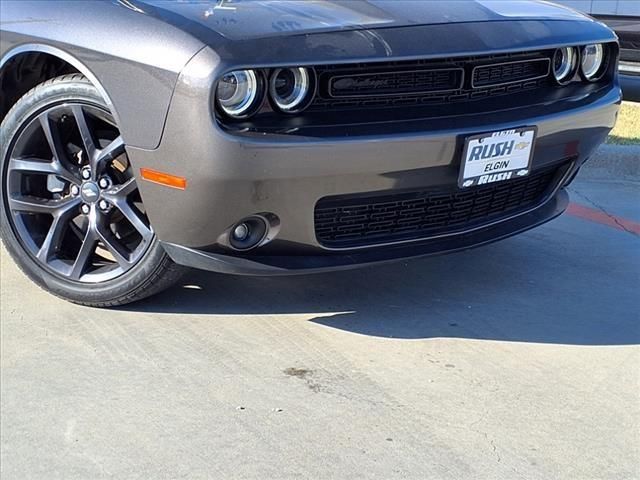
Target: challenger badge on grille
402	82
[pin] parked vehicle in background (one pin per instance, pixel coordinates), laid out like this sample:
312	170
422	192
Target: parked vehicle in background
628	31
280	137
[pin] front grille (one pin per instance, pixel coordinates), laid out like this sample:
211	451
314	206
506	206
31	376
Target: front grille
439	98
358	87
396	83
510	72
357	221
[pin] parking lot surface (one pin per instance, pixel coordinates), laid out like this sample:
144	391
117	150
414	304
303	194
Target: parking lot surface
515	360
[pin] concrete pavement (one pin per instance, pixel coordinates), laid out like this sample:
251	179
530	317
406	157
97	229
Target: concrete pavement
516	360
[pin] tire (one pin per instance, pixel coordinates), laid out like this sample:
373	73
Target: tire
118	259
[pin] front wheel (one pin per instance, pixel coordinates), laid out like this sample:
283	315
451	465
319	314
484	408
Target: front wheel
72	215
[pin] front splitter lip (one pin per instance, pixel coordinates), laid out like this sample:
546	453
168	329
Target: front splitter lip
304	264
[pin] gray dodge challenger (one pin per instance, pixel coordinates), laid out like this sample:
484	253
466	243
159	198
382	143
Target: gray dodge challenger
272	137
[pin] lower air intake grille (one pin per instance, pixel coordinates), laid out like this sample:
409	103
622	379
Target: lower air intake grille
357	221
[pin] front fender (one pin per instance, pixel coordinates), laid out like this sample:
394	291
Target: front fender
133	59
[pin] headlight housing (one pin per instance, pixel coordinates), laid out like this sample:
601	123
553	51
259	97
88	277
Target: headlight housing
240	93
565	63
291	89
593	62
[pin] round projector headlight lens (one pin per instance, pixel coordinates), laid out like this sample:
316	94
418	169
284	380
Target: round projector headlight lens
592	60
564	64
238	93
291	89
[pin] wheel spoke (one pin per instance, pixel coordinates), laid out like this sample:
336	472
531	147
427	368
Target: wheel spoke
52	136
30	204
134	218
117	195
121	192
41	167
33	165
87	249
52	241
113	245
60	156
85	134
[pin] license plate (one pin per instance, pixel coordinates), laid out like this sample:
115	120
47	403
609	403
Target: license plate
497	157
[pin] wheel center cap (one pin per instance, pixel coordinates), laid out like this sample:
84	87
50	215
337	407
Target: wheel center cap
90	192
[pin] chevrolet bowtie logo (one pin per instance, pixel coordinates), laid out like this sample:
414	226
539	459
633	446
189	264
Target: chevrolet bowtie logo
522	145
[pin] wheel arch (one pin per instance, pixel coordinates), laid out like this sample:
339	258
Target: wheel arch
52	62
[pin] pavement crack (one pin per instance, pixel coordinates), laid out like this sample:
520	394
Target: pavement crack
603	210
493	446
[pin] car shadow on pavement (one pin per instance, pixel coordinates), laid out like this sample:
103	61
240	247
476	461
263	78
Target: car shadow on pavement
499	292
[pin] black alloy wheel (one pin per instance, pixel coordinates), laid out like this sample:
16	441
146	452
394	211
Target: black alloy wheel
70	199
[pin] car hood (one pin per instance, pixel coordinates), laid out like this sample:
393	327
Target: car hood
252	19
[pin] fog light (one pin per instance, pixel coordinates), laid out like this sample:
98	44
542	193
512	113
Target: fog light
241	232
248	233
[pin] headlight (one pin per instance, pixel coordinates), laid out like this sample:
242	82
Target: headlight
292	89
592	62
564	64
239	93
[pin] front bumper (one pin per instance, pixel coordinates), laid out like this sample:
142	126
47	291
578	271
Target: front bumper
272	265
230	177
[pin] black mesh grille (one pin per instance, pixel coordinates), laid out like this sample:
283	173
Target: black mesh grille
355	221
460	96
497	74
371	85
396	83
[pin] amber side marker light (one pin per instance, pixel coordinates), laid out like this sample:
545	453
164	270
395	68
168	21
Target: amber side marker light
165	179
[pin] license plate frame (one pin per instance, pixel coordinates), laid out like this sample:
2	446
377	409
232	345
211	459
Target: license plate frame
484	156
